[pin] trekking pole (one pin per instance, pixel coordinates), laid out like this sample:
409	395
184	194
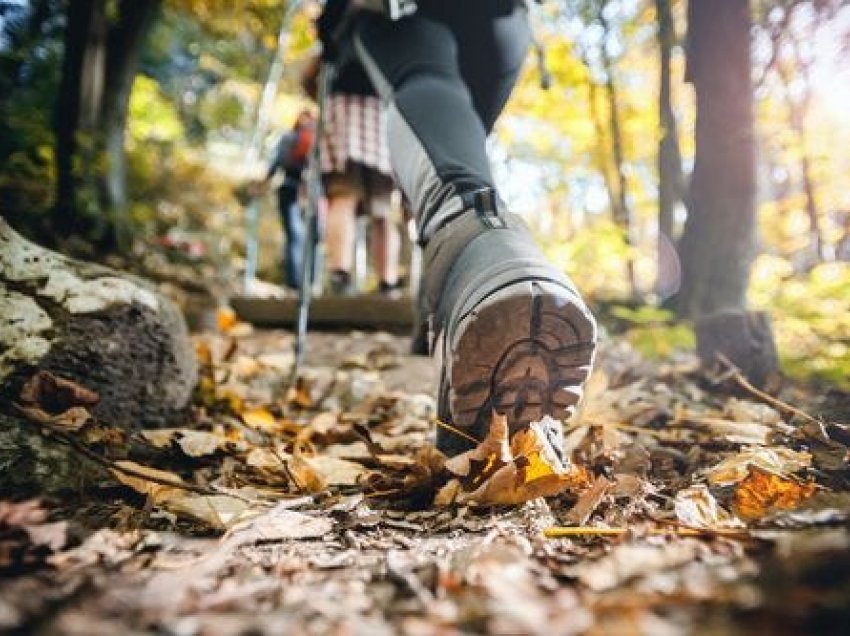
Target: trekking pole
313	225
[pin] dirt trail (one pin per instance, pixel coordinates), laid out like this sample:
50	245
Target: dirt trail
667	539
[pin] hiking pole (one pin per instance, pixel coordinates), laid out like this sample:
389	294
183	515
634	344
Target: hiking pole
313	225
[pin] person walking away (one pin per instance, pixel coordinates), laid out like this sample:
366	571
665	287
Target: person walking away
357	176
290	159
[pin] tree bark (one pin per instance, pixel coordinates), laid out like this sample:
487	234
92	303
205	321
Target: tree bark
101	56
718	243
107	331
77	114
670	179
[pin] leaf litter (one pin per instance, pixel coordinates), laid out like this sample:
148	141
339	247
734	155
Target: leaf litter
326	508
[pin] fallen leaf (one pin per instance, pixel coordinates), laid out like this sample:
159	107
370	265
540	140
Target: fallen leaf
217	511
334	471
696	507
587	502
192	443
279	524
306	477
55	394
155	491
779	461
499	471
763	492
260	419
71	421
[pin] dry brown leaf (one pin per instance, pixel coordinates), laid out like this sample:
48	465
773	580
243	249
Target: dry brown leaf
217	511
158	493
499	471
300	395
588	502
305	475
192	443
763	492
71	421
780	461
55	394
278	524
696	507
334	471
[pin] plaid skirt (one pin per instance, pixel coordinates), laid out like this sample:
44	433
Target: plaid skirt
355	130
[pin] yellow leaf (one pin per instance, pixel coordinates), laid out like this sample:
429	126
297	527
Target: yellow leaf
260	419
499	471
225	319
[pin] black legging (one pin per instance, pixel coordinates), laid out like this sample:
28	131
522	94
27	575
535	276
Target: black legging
448	70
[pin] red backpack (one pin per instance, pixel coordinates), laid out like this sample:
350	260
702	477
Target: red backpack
301	148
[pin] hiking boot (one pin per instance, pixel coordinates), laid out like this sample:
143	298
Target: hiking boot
513	334
340	283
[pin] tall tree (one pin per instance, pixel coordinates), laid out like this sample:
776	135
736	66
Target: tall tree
670	180
103	40
718	243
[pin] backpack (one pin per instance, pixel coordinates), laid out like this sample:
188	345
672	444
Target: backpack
301	148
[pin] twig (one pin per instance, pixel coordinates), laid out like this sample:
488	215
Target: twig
457	431
741	381
557	532
130	472
383	493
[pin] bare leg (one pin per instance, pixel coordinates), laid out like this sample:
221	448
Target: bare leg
386	247
340	232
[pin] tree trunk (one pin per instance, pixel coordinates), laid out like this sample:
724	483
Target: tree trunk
718	242
101	55
622	211
670	180
77	114
124	45
107	331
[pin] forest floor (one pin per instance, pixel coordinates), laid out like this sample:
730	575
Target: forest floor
691	504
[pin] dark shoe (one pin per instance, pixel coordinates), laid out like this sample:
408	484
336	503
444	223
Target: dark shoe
513	333
340	283
390	290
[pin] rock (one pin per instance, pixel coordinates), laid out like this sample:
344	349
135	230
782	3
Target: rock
106	330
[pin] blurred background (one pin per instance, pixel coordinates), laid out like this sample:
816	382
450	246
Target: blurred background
130	128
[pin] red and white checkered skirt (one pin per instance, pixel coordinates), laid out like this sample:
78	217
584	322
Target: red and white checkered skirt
355	129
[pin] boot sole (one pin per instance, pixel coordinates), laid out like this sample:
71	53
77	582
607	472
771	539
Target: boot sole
524	351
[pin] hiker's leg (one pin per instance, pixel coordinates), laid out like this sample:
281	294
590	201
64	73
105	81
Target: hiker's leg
340	229
513	334
293	230
384	238
437	139
493	38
